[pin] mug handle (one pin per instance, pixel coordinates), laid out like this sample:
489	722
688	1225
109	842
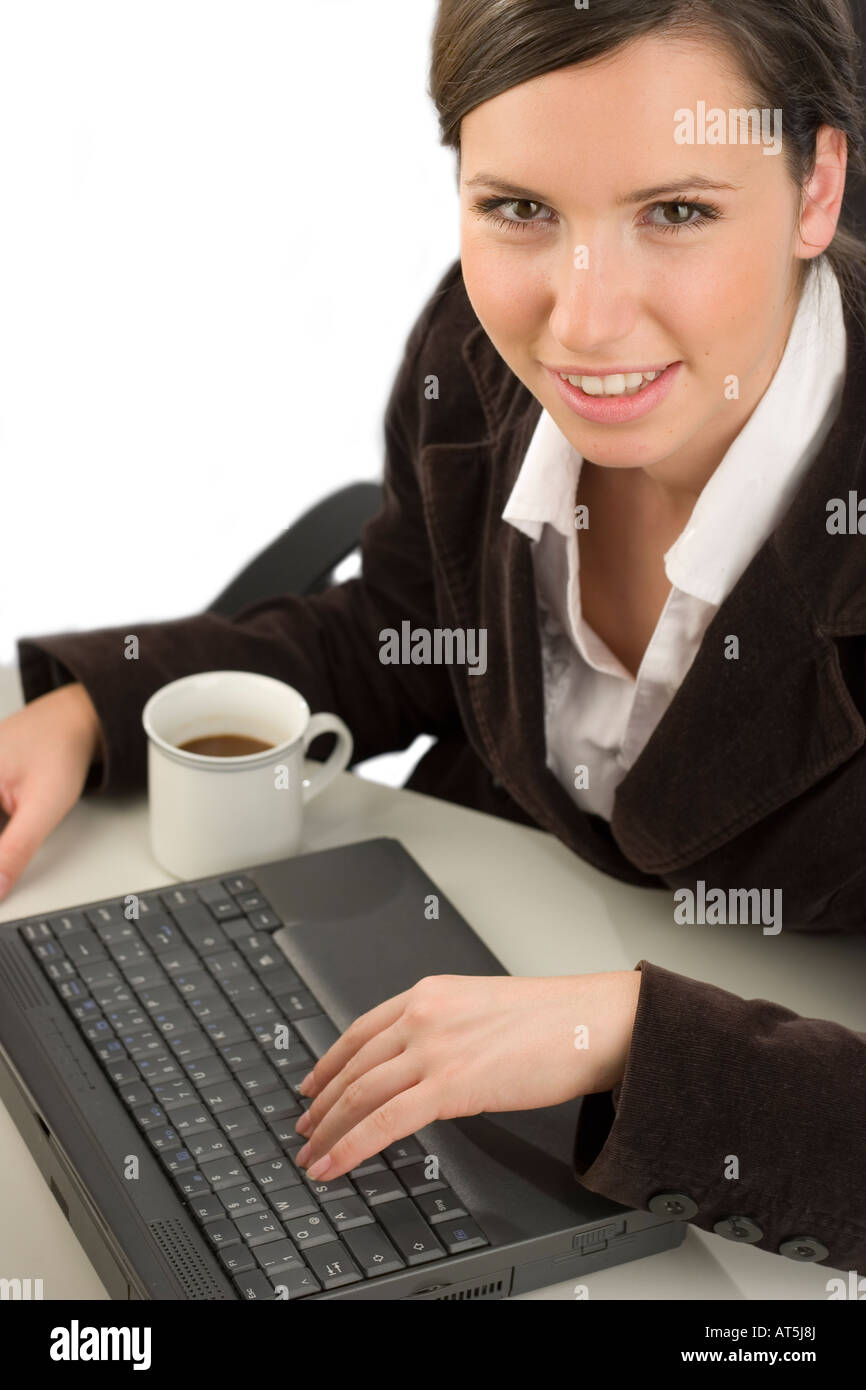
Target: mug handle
337	761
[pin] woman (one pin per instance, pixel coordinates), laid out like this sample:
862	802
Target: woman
615	447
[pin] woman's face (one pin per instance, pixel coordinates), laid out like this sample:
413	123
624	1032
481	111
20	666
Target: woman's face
690	260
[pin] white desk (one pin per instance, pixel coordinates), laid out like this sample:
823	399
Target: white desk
538	907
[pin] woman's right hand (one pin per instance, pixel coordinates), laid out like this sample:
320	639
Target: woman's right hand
46	750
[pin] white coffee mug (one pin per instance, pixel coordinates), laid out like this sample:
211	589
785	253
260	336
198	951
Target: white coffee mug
214	814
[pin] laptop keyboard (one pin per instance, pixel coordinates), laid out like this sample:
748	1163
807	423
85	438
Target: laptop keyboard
206	1031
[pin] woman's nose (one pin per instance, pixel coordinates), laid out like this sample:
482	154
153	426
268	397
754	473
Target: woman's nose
597	302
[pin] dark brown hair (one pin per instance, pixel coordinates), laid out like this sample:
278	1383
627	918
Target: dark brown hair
799	56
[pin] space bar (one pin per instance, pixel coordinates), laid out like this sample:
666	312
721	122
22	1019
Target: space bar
317	1032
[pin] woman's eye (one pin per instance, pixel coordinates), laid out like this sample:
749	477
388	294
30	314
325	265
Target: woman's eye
680	216
524	208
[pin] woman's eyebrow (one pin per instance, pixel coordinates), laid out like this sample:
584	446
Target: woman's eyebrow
640	195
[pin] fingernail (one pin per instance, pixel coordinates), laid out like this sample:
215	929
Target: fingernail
320	1167
303	1125
305	1083
303	1154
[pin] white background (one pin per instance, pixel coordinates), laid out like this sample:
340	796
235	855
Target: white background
220	221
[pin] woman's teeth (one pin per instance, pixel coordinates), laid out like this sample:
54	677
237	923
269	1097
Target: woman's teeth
628	385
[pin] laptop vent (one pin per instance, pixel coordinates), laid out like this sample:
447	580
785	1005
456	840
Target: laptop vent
494	1290
186	1263
25	992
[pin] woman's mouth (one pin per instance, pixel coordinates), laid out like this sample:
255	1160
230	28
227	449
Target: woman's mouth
615	397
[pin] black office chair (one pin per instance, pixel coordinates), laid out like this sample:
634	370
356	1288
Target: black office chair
303	558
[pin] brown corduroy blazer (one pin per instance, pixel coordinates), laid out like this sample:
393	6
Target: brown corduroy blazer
755	776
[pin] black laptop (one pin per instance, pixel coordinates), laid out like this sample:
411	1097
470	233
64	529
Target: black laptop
143	1057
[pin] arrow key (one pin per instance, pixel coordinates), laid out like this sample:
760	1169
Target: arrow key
373	1251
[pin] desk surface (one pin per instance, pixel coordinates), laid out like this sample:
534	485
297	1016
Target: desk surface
540	909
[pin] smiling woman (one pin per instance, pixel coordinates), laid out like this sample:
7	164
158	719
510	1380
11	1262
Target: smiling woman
666	340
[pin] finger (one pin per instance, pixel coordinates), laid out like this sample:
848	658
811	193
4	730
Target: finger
374	1053
398	1117
349	1043
27	828
376	1086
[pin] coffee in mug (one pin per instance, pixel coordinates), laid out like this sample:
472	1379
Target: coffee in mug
225	745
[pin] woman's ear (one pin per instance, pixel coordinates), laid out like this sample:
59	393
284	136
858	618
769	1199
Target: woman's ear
823	194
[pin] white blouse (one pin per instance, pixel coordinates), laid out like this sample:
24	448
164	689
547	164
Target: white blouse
597	715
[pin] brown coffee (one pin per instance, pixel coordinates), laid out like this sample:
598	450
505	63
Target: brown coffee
225	745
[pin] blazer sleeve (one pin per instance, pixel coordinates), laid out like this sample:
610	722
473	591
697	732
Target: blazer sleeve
736	1108
325	645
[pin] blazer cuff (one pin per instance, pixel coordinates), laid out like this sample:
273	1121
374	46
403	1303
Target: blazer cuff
747	1114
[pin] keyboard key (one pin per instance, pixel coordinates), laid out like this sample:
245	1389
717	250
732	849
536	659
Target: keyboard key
292	1202
177	897
439	1206
237	1259
299	1004
149	1116
259	1228
237	1123
278	1256
135	1094
256	1148
333	1265
254	1285
190	1047
163	1139
252	902
222	1233
463	1234
377	1188
403	1152
373	1251
220	1095
60	969
206	1207
207	1070
191	1184
243	1200
409	1231
258	1081
412	1176
67	922
241	1055
34	932
348	1213
174	1093
108	914
338	1187
276	1106
222	1032
369	1165
178	1161
82	947
313	1229
264	919
295	1283
211	1144
239	883
226	1172
275	1175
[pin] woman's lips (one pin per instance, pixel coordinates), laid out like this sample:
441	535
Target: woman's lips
616	410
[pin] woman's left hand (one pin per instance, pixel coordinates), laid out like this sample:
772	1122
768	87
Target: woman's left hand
459	1045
